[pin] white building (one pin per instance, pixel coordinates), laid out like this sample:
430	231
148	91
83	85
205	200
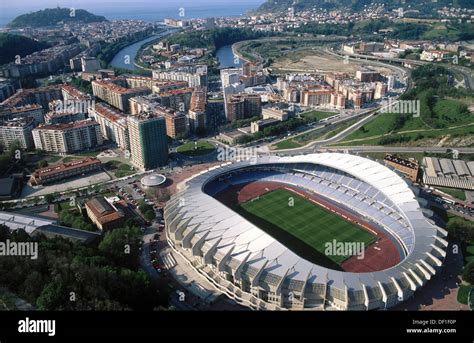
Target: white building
17	130
255	269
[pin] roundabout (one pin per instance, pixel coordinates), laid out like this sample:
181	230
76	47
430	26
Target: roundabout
194	149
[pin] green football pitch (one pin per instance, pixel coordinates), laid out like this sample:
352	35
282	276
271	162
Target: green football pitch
303	226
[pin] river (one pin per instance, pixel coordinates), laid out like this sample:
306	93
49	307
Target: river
128	53
225	55
227	59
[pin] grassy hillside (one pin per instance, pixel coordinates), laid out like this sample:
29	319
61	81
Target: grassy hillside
13	45
423	5
443	112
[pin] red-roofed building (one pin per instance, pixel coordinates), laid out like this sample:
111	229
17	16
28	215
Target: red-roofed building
115	94
103	214
64	170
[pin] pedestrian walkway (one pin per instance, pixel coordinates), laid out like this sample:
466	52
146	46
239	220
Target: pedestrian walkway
168	260
190	279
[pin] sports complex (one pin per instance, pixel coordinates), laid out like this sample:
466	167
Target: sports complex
324	231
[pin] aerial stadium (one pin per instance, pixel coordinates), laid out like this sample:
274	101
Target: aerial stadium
259	230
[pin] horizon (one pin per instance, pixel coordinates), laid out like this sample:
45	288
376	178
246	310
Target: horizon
147	10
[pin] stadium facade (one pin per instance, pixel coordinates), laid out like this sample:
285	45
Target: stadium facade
256	270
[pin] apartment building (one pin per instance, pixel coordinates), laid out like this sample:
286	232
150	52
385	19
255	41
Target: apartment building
166	86
115	94
197	112
274	113
177	99
41	62
367	75
40	96
338	101
68	138
27	111
195	75
74	100
176	124
113	125
148	140
17	130
316	96
63	117
241	106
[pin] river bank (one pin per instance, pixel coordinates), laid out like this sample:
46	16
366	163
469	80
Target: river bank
125	58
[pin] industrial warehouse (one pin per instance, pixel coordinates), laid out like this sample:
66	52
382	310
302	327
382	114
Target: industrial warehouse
448	173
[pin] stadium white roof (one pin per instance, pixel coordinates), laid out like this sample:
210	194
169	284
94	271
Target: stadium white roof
209	220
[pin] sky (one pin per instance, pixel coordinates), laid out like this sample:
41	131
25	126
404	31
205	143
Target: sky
120	9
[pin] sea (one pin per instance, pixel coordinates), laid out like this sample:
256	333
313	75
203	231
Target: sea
147	10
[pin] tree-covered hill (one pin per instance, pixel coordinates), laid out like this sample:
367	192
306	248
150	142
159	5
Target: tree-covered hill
12	45
52	16
299	5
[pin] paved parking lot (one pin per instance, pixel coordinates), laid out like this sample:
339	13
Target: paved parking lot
78	182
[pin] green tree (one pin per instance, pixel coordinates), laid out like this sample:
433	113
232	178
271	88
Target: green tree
52	297
144	207
122	246
12	45
4	232
20	235
468	272
49	198
150	215
461	230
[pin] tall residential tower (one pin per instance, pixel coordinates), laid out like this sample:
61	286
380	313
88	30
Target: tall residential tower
148	140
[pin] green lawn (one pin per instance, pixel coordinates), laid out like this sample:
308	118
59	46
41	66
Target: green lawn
457	193
317	115
119	169
313	135
53	158
304	228
287	144
124	170
65	205
463	293
112	164
340	127
449	119
196	149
